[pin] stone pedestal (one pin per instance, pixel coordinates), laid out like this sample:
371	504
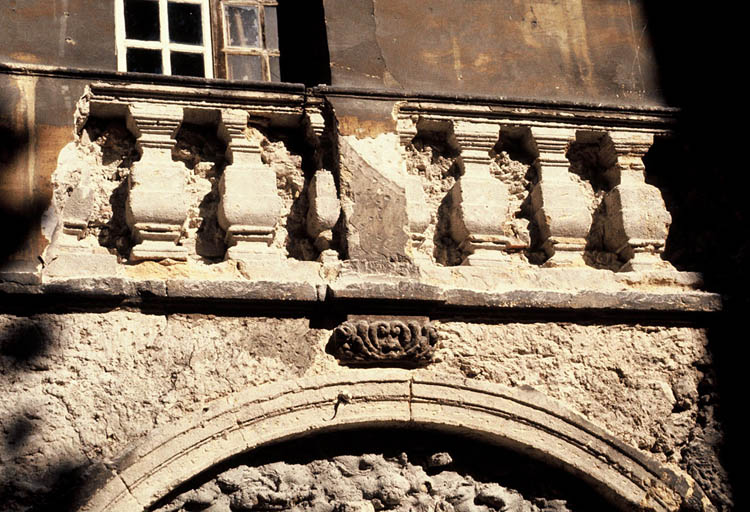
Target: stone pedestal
637	222
249	207
558	203
156	207
479	201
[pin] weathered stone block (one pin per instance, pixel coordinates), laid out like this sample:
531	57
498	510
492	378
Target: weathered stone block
375	206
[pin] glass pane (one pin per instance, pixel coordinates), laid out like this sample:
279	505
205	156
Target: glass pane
242	26
272	28
185	23
245	67
142	20
187	64
274	65
144	61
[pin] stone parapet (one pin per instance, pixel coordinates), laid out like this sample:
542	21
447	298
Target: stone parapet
287	190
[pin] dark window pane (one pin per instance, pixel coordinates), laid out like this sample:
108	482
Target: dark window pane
242	25
185	23
142	20
187	64
274	65
272	28
245	67
144	61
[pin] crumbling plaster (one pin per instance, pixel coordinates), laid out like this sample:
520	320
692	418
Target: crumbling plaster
99	382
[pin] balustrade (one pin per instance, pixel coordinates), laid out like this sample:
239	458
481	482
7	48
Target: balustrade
631	218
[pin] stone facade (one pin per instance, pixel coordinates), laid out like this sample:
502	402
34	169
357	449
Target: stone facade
272	297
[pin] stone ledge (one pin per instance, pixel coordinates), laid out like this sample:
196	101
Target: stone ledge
400	291
242	290
586	299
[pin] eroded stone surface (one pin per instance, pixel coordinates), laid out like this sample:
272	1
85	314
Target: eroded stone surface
356	483
79	388
89	184
290	235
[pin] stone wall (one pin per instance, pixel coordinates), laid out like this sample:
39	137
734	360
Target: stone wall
80	388
208	242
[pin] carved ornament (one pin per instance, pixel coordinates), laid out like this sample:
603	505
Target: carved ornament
405	343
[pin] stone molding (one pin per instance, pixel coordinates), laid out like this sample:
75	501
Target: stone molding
520	419
406	342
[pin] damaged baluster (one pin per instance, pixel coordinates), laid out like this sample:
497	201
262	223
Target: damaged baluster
249	207
637	222
560	211
156	205
417	215
479	201
324	206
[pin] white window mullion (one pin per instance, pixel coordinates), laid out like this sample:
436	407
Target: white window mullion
137	43
208	62
120	47
166	62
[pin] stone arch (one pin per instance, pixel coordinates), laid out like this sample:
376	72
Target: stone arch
521	419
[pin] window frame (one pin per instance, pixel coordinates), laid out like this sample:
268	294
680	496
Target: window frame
221	37
163	44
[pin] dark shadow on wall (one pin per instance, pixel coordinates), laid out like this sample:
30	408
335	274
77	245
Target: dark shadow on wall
24	344
700	175
18	217
303	43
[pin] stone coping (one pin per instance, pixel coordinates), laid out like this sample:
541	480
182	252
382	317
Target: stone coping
521	419
383	289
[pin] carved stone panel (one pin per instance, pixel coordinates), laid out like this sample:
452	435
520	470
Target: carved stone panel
402	342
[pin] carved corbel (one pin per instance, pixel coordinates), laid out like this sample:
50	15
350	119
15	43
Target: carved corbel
249	207
558	202
156	205
417	215
479	201
637	222
324	206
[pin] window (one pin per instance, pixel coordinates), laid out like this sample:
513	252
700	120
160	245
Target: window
250	36
233	39
170	37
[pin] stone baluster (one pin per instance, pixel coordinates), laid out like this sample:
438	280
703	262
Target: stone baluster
637	222
249	207
559	204
156	206
479	201
324	207
417	215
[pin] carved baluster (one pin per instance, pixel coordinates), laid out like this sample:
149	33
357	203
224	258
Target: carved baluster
558	202
250	206
417	215
324	205
479	201
637	221
156	205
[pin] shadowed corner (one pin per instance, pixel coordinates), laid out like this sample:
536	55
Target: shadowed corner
57	489
698	172
24	342
19	216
